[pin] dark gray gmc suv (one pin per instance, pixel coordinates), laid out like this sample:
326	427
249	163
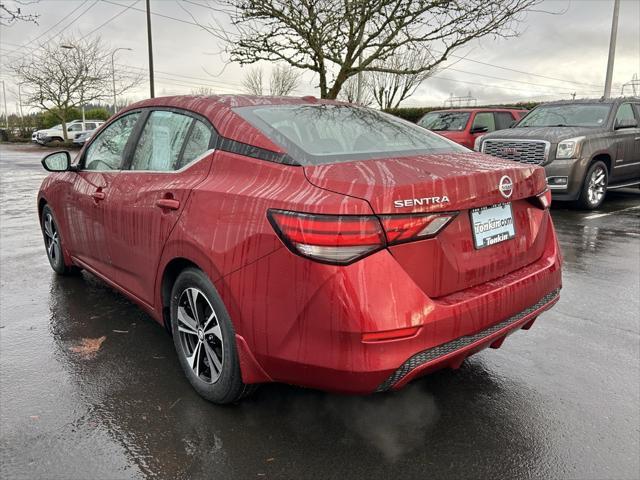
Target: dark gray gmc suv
586	146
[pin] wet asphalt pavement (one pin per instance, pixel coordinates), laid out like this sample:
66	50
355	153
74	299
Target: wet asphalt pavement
561	401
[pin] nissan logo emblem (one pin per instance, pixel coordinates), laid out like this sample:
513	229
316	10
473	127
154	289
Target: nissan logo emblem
505	186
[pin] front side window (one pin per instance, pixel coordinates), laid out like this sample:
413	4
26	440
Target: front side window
161	141
569	115
107	150
76	127
625	114
484	120
322	134
445	121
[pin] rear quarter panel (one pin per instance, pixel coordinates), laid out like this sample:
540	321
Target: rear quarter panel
224	226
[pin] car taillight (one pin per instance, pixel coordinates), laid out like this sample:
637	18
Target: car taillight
405	228
543	199
343	239
339	239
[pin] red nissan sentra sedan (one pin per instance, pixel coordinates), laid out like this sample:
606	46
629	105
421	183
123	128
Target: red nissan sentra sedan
303	241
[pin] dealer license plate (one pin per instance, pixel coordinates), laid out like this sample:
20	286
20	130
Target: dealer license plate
491	225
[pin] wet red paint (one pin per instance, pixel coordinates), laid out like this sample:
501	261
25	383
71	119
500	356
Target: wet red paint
297	320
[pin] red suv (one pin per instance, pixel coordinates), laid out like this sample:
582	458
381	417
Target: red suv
303	241
464	125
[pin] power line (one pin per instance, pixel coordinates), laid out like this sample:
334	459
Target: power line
110	20
520	71
31	49
499	87
508	80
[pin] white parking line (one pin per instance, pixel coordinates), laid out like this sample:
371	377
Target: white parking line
599	215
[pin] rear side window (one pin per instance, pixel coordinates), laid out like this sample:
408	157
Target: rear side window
503	120
484	120
625	113
197	144
90	126
161	141
105	152
321	134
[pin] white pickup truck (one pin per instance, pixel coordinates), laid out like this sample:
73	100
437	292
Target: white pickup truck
74	128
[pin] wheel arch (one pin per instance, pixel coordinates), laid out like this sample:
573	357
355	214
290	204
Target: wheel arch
41	203
169	275
604	158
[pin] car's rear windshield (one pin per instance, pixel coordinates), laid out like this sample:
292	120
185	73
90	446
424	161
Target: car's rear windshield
445	121
570	115
322	134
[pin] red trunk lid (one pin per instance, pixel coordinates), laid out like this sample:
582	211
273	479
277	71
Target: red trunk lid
448	182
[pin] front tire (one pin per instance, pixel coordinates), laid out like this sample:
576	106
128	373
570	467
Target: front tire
594	187
204	339
53	244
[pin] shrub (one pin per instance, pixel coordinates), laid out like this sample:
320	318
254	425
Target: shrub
99	113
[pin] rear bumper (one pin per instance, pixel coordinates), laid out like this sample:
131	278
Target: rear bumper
304	322
453	353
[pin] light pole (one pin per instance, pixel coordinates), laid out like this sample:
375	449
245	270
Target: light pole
113	72
612	48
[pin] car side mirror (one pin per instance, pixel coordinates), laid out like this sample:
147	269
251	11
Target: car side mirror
626	123
57	162
479	130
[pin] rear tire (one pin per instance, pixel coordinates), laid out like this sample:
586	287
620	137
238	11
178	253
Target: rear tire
204	339
594	187
53	243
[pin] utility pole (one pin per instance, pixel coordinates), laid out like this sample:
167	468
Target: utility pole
150	46
6	113
612	48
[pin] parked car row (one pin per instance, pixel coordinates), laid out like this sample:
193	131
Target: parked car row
586	146
77	131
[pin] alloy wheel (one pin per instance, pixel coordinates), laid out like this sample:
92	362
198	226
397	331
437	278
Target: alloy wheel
51	239
200	335
597	185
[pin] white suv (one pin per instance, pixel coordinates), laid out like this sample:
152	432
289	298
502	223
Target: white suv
74	129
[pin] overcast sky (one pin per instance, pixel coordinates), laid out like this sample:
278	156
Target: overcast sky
570	48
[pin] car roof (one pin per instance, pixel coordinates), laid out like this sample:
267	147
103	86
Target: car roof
604	101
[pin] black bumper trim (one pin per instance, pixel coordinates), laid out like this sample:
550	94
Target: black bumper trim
434	353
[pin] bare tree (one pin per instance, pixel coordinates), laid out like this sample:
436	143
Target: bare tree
337	39
252	81
11	12
58	77
203	91
282	82
389	89
349	91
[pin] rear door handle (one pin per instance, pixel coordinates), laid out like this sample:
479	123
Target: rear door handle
168	203
98	195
